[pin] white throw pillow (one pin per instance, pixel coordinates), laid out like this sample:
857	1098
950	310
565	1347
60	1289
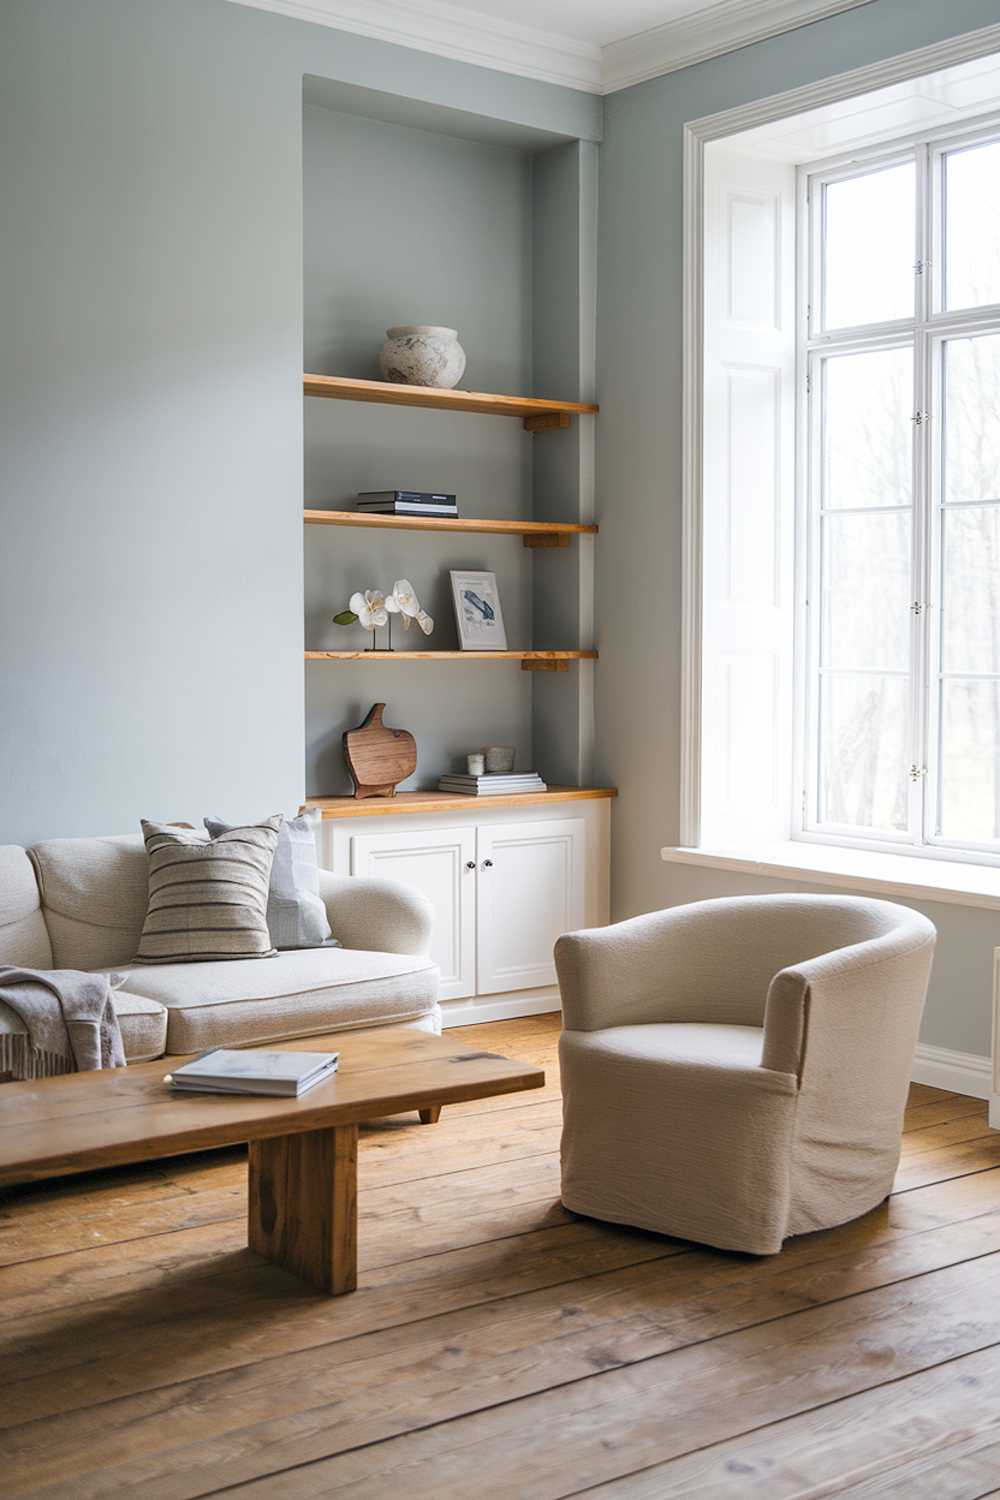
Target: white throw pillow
296	915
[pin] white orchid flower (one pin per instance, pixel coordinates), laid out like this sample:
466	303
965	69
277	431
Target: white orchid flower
403	600
370	608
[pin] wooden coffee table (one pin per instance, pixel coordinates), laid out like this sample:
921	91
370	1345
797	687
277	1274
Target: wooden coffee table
303	1210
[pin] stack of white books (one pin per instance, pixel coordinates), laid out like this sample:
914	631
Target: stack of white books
493	784
228	1070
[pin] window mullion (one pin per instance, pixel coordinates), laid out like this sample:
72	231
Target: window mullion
922	676
813	589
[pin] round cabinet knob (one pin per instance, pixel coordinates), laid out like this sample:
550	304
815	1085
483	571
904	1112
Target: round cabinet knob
487	864
470	864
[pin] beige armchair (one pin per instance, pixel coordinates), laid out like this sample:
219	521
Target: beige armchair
735	1071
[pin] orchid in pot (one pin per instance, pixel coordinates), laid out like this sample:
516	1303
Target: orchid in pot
371	609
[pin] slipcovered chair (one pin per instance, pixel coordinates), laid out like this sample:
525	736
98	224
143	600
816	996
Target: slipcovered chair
735	1071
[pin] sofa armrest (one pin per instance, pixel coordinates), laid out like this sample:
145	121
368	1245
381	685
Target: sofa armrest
382	916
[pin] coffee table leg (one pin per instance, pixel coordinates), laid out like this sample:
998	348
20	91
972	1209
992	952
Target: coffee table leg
303	1210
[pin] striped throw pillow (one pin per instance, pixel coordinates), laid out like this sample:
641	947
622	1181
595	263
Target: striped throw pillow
207	897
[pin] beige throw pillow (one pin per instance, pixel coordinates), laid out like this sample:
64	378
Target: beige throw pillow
207	897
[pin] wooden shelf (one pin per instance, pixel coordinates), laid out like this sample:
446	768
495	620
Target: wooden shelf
537	415
433	802
533	533
531	661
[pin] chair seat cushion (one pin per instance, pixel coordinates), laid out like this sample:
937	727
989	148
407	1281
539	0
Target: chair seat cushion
724	1046
236	1001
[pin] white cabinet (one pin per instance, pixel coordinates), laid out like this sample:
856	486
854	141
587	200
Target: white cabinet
442	863
501	892
530	890
503	883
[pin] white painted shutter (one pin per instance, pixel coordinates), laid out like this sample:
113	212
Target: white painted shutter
748	500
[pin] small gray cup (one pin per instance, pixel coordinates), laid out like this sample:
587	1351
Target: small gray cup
500	758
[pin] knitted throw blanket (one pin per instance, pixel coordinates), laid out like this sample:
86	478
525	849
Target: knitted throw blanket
70	1020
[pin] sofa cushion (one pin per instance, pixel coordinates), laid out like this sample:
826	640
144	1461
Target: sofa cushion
143	1024
93	894
293	994
24	938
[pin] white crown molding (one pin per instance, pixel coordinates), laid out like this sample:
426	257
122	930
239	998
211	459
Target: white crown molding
708	32
966	47
454	31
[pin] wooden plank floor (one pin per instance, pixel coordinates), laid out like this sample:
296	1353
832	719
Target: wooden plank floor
497	1346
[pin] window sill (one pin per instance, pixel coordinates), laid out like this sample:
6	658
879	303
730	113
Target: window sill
856	869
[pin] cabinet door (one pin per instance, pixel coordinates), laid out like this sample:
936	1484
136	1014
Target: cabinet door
441	863
530	892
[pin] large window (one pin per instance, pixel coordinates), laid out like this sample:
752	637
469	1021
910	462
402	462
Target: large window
900	633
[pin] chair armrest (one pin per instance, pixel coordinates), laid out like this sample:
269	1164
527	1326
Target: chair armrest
853	1010
619	975
382	916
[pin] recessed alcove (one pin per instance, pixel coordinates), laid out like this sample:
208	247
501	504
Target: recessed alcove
413	213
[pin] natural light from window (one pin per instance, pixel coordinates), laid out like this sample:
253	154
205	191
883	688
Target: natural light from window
901	705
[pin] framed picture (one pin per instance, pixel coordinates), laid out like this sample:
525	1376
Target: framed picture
477	612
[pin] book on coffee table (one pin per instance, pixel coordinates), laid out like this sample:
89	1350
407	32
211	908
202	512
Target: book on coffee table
230	1070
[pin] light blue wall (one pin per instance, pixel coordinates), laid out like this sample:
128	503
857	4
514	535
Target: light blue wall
150	457
150	369
639	474
413	226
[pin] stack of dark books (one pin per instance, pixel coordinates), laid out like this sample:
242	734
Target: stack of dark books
407	503
493	783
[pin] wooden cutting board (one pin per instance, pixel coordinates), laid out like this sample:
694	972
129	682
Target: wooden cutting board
378	757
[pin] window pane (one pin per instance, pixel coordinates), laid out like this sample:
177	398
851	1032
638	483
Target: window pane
970	761
867	591
870	247
970	589
868	457
971	424
972	226
864	730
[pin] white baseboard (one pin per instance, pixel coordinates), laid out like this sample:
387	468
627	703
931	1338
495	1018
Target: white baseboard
958	1072
480	1008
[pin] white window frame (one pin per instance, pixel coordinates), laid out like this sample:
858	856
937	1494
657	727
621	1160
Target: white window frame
926	332
684	826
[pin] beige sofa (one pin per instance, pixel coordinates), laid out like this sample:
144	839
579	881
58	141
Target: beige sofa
80	904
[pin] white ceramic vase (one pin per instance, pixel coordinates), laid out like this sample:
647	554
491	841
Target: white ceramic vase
420	354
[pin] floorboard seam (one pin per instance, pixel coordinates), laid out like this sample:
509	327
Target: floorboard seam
331	1343
570	1494
938	1364
635	1364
